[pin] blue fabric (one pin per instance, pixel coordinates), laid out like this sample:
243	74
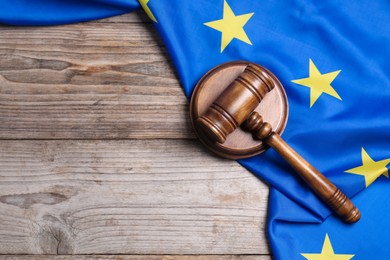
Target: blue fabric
335	133
367	239
51	12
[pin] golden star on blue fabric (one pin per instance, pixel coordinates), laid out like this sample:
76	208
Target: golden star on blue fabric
144	4
318	83
327	253
370	169
231	26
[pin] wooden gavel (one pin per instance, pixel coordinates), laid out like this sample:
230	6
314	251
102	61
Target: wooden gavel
235	107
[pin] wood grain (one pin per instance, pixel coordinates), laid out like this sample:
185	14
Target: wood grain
127	197
87	164
89	81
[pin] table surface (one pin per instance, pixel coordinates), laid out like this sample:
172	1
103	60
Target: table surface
98	158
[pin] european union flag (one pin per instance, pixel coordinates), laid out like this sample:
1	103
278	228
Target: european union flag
332	58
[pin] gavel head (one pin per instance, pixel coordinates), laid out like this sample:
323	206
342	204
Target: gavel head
235	103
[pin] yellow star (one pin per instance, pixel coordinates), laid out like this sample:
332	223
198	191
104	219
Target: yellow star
371	170
144	4
327	253
231	26
318	83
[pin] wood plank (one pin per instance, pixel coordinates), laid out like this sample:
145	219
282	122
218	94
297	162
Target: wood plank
127	197
96	80
138	257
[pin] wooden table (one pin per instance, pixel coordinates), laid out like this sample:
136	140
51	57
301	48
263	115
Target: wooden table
97	155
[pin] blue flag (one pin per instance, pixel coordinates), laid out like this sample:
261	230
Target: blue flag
51	12
332	59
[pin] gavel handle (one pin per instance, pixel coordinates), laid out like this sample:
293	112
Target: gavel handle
324	188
